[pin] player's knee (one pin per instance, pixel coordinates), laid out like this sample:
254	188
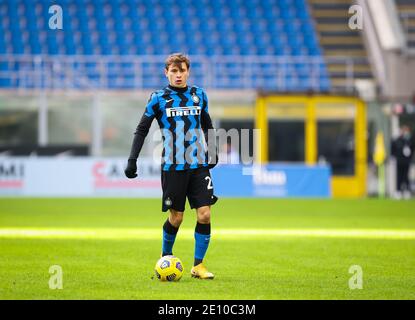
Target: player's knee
203	215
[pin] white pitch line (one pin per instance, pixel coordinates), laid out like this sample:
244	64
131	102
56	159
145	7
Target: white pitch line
144	233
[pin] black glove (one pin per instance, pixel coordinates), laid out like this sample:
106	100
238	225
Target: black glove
131	170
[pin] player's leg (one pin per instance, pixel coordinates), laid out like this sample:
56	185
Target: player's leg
174	186
170	229
200	194
202	240
202	233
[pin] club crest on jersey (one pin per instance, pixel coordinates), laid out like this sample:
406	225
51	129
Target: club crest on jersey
195	98
183	111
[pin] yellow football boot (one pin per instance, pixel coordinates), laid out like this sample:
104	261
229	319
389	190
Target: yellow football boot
201	272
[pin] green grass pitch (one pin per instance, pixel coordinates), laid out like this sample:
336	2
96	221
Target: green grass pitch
260	249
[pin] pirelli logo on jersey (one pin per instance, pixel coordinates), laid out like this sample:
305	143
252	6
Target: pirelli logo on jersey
183	111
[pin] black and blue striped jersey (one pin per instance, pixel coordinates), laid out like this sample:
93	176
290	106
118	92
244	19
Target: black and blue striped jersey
183	117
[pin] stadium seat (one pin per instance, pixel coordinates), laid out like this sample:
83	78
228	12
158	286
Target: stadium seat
208	27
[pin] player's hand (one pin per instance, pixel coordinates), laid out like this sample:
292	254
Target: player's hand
131	170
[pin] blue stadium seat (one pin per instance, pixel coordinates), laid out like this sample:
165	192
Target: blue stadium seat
206	27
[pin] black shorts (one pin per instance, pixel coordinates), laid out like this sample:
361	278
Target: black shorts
195	184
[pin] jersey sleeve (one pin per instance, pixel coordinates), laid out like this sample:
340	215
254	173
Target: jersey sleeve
152	106
206	121
209	131
205	102
144	126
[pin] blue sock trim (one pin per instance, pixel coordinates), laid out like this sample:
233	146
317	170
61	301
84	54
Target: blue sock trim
168	242
201	245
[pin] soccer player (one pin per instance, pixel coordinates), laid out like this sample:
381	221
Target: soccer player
189	151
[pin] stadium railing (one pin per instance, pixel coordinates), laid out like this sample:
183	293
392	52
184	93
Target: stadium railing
83	72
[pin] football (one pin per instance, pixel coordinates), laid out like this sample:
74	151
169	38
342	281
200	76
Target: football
169	268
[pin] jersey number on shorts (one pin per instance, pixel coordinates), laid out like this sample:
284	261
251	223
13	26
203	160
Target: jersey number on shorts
209	186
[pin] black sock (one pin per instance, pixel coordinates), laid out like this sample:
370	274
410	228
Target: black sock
169	235
202	228
169	228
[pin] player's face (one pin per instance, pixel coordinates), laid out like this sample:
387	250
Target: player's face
177	75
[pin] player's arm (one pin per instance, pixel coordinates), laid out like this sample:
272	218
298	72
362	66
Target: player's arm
140	134
209	132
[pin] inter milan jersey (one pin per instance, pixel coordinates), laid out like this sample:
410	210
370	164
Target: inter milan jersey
184	121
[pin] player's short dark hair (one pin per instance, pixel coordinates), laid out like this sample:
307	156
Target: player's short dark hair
177	59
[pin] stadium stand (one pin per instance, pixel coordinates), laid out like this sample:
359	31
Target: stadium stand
242	28
339	41
406	9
